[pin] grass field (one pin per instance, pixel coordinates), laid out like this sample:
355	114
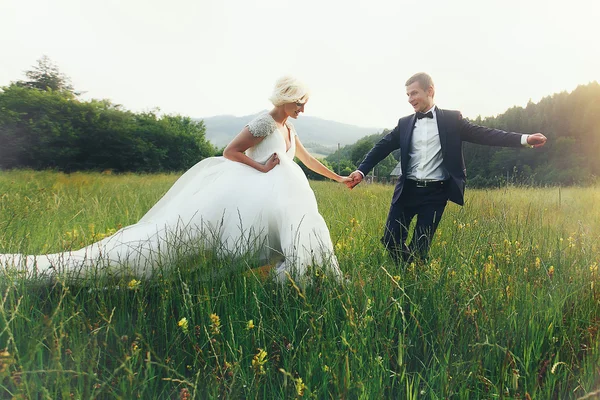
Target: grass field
507	307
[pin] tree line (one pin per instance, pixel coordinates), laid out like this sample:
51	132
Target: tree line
44	124
571	121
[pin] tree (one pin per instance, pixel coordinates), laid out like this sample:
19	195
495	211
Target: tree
310	174
360	150
384	168
342	167
46	76
52	129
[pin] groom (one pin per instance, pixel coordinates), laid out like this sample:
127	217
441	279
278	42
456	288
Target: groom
433	169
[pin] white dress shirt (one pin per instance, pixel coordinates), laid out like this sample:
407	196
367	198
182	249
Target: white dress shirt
425	162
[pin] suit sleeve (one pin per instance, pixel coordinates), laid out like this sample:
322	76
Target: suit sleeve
482	135
381	150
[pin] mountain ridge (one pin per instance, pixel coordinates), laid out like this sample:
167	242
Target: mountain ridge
220	129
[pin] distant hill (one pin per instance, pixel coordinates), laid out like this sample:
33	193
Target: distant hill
311	130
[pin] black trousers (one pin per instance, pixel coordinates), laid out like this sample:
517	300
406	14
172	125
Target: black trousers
427	204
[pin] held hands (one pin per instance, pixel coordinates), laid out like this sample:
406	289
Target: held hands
344	179
536	140
354	179
271	163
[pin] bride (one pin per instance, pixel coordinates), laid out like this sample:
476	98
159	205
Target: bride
253	199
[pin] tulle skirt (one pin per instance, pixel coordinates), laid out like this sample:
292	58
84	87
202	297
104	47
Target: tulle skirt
223	205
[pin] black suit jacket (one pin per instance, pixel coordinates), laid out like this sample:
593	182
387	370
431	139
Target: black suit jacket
453	130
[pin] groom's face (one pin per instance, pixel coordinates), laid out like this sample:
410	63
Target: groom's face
420	99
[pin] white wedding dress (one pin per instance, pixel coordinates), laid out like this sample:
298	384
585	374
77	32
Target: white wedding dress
219	204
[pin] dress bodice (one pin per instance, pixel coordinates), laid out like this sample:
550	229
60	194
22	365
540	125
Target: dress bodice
264	126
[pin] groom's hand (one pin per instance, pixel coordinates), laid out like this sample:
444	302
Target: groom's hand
536	140
356	177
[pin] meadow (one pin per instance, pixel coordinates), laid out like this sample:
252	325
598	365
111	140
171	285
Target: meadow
507	307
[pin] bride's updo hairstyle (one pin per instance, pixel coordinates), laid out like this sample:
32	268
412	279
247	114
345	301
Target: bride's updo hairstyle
288	90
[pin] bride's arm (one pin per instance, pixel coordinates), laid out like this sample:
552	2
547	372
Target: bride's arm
242	142
315	165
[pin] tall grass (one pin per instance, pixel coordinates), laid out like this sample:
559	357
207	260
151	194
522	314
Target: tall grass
507	307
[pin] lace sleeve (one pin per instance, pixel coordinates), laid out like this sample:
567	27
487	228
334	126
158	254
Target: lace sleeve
261	126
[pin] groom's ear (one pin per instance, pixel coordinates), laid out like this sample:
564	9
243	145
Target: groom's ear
431	91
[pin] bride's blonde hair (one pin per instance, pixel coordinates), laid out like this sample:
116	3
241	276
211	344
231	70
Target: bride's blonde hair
288	90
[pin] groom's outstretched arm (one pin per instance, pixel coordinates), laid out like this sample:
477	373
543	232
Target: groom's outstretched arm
496	137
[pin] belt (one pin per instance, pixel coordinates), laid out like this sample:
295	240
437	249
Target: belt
423	184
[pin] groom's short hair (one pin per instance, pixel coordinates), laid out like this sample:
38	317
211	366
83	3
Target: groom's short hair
424	80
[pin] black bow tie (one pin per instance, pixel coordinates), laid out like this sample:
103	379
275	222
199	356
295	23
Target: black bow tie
421	115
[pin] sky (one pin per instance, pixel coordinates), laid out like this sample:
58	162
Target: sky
202	58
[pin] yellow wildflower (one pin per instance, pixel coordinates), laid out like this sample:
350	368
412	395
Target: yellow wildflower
133	284
519	252
215	326
488	267
300	386
469	312
6	360
183	324
250	324
551	271
339	246
258	362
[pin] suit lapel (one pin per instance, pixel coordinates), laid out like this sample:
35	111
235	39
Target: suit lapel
405	139
441	129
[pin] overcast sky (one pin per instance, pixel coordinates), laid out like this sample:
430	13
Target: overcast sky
208	57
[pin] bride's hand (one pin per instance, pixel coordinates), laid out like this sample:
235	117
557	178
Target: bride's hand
344	179
271	162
